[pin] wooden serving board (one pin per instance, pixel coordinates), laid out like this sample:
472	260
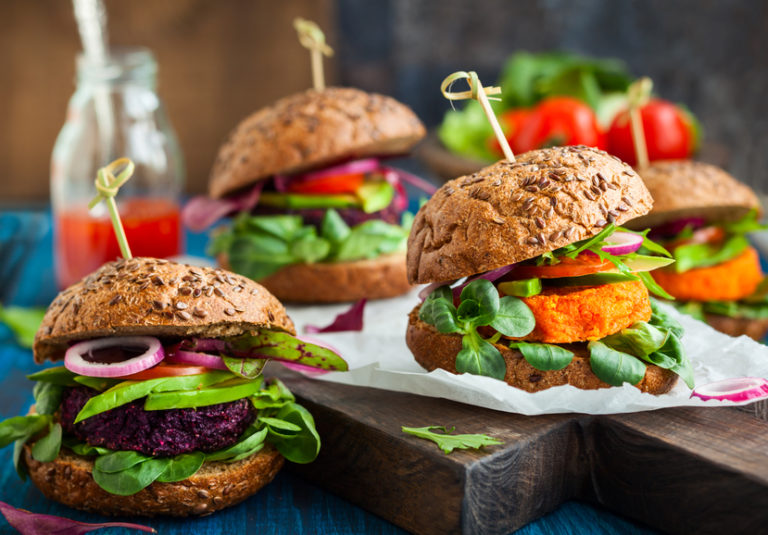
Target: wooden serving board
685	470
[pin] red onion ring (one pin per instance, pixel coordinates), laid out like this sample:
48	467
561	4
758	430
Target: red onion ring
74	361
488	275
735	389
180	356
673	228
621	243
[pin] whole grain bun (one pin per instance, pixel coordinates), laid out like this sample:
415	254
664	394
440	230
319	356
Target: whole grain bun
337	282
312	129
433	350
68	480
149	296
754	328
685	188
509	212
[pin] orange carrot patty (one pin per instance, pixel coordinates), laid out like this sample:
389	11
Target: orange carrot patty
580	313
730	281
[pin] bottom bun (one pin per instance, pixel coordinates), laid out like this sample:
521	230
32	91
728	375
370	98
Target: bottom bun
336	282
433	350
754	328
215	486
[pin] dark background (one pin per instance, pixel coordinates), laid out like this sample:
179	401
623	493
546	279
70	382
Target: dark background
221	60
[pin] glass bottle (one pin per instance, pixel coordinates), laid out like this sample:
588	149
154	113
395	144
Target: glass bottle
115	112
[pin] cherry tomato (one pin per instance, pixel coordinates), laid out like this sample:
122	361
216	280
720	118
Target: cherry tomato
165	370
559	121
669	133
511	121
329	184
584	264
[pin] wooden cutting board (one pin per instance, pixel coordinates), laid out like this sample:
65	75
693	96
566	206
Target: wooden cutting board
685	470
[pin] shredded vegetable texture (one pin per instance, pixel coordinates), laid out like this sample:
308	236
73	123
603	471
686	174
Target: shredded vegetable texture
258	246
447	441
528	78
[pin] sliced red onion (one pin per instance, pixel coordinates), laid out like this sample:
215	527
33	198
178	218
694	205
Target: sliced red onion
355	167
201	212
491	276
29	523
429	288
413	180
75	361
621	243
180	356
673	228
736	389
349	320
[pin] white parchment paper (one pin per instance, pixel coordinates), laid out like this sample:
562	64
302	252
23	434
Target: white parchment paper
379	358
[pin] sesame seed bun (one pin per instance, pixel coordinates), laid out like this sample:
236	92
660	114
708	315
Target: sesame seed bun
313	129
337	282
433	350
149	296
68	479
684	188
510	212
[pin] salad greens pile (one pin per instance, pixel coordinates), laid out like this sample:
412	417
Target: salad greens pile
528	78
258	246
280	421
615	359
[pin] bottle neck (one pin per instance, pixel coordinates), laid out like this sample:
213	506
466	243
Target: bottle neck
127	66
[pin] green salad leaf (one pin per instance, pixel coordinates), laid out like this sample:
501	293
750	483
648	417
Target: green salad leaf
732	309
298	443
46	449
447	441
544	356
182	467
614	367
258	246
20	427
24	322
697	255
480	357
47	397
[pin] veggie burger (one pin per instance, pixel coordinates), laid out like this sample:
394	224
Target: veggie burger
318	217
702	215
533	282
160	407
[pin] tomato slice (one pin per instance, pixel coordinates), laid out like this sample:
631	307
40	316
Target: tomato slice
348	183
165	370
584	264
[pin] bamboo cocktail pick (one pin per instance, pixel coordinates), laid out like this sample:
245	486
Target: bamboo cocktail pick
313	38
479	93
107	184
638	95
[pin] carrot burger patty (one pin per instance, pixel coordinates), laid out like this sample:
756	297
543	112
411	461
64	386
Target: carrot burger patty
732	280
581	313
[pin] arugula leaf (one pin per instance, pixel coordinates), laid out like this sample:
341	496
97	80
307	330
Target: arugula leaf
544	356
480	357
614	367
24	322
448	442
697	255
748	223
46	449
652	285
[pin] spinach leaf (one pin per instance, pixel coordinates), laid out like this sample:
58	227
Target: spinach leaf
640	339
47	397
441	313
84	449
544	356
615	367
275	395
300	447
20	427
662	319
333	228
133	479
187	399
251	442
514	318
182	466
279	426
58	375
370	239
283	346
482	300
117	461
480	357
18	449
46	449
258	257
672	356
247	368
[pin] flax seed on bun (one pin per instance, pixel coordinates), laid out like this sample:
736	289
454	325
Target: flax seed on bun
149	296
685	188
313	129
509	212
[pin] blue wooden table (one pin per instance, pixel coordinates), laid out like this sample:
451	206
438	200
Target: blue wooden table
287	505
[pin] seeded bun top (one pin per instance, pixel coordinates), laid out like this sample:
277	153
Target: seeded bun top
148	296
684	188
312	129
510	212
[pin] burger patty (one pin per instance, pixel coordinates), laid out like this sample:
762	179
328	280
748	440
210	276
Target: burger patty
732	280
158	433
582	313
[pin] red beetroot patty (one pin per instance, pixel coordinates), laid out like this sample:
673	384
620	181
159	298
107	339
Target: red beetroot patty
157	433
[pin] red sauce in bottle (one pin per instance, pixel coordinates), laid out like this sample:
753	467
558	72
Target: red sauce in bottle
83	243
